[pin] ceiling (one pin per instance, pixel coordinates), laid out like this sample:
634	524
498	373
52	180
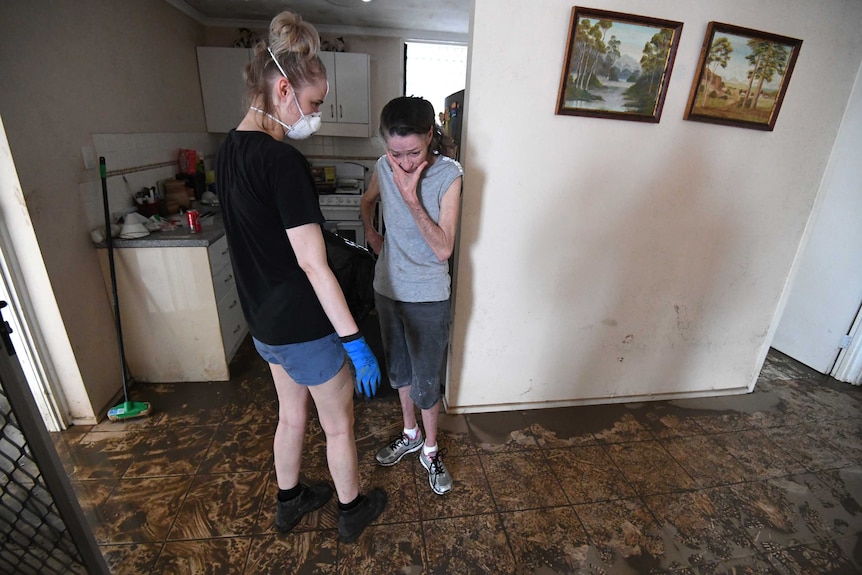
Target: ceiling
437	17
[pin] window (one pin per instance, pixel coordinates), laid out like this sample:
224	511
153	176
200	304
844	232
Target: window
433	71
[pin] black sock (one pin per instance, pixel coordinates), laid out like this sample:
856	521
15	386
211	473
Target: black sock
351	505
288	494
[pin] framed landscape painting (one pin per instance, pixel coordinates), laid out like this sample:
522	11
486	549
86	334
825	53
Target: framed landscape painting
742	77
617	65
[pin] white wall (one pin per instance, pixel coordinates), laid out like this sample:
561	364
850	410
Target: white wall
603	260
827	288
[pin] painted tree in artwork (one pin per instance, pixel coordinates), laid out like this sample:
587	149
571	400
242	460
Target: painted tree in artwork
719	55
580	48
642	96
655	56
588	50
613	54
599	31
766	59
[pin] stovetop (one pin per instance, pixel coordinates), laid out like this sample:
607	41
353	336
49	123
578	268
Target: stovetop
349	180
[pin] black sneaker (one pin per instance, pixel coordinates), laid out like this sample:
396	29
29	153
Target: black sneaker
351	523
289	513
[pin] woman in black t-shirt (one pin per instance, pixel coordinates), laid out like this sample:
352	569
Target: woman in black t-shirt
295	309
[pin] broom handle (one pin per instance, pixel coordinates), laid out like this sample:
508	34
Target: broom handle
103	172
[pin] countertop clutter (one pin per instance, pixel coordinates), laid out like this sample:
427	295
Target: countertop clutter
158	216
212	229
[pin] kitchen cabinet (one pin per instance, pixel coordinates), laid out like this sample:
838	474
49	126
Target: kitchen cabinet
223	86
345	112
180	311
346	109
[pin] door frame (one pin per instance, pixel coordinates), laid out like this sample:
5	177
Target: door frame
26	337
848	364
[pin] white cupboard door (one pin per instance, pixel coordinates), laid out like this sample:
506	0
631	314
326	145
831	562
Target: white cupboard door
223	86
351	88
328	110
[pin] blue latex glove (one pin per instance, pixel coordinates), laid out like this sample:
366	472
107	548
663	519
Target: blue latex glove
365	366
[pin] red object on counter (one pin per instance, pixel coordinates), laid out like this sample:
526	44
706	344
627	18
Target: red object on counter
194	219
188	161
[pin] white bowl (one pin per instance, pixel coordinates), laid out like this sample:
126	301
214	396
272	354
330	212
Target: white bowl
134	218
131	231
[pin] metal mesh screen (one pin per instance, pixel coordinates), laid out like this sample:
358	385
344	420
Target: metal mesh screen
33	536
43	530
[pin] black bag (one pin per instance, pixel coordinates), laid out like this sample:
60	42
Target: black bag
353	266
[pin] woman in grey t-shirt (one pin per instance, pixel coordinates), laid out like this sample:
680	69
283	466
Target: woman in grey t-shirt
419	189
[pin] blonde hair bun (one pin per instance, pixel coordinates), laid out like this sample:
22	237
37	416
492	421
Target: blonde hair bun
288	32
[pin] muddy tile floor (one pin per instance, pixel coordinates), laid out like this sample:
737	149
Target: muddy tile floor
764	483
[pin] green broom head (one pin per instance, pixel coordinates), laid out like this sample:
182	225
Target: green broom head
129	410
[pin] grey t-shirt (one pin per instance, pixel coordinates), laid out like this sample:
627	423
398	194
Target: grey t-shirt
407	269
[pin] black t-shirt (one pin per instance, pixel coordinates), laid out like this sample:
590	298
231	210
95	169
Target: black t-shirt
265	187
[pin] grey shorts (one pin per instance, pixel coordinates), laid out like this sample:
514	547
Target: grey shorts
415	339
309	362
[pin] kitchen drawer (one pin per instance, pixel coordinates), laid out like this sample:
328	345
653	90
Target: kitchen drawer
223	281
219	255
233	327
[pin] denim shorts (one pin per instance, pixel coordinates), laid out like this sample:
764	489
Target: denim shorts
415	339
309	362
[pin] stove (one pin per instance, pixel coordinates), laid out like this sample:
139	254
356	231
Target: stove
340	200
341	209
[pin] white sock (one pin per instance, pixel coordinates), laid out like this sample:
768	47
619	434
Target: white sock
429	449
412	433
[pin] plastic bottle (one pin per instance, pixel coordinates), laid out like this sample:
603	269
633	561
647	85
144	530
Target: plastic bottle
200	177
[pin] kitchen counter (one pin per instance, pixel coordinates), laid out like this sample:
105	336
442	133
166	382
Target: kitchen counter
177	293
212	230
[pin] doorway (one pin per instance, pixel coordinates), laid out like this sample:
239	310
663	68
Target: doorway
434	71
820	323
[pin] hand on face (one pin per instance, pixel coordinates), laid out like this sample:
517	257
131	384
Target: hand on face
408	158
406	181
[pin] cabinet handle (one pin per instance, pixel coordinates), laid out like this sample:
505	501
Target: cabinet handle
332	110
239	327
232	305
340	112
228	278
224	253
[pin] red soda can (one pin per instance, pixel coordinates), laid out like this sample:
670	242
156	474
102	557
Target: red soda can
194	219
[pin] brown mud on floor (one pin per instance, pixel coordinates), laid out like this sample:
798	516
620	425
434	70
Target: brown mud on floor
768	482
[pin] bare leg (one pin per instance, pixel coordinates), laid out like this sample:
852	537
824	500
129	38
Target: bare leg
334	401
429	421
293	403
408	409
429	416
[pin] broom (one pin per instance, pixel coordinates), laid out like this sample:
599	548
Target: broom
128	409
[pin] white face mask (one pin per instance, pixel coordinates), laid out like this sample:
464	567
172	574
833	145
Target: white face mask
306	125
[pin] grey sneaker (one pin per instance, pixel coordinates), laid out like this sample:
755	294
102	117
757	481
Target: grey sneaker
397	448
438	475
